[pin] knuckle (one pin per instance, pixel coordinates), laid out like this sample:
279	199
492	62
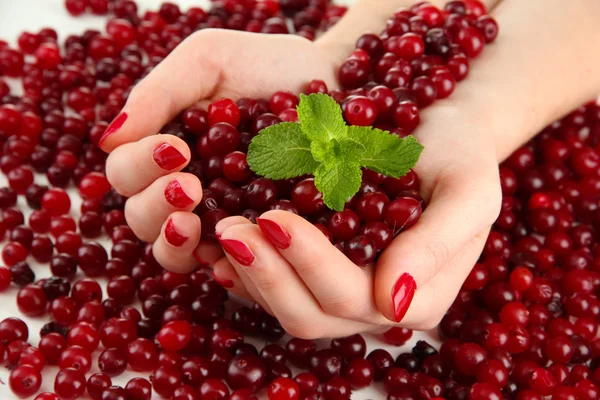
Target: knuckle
301	329
115	177
346	308
436	255
492	203
136	222
429	323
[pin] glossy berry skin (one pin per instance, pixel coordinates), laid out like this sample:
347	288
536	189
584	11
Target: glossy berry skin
175	335
403	213
360	250
138	389
96	385
56	202
25	381
223	138
223	111
235	167
359	373
246	372
69	384
165	380
307	197
344	225
471	40
213	389
76	7
112	362
142	355
283	389
32	300
360	111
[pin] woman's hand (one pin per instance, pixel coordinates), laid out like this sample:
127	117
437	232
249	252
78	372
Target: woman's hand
285	263
209	65
292	270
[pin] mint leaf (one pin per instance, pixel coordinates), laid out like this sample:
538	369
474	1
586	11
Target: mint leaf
386	153
321	117
281	152
343	149
338	182
322	145
351	150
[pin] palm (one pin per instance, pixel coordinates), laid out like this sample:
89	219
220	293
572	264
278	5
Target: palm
256	66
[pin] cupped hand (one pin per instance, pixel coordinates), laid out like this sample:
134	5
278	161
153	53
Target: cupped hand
146	167
289	267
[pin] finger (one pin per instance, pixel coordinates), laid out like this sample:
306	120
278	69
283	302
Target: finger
229	221
225	275
461	206
133	166
489	4
281	288
432	300
208	253
148	210
179	237
191	72
342	289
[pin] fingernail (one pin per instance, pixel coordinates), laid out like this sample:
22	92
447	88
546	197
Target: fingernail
226	283
275	233
176	196
173	237
168	157
114	126
402	295
238	250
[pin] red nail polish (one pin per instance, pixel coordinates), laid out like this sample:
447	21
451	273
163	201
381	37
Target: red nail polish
226	283
402	295
114	126
238	250
172	236
275	233
168	157
176	196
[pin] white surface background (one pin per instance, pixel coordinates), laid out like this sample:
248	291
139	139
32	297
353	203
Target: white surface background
17	16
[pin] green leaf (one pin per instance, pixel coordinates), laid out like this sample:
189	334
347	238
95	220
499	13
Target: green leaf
321	117
338	182
351	150
281	152
386	153
334	150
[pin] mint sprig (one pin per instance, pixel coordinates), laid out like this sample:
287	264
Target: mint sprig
324	146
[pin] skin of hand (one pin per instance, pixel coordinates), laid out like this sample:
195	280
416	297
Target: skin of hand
285	263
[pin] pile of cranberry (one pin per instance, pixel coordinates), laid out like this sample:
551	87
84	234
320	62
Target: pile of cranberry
523	327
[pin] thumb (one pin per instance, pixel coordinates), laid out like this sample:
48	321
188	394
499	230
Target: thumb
190	73
461	206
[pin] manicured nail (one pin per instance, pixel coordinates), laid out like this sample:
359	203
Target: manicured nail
168	157
226	283
238	250
275	233
114	126
173	237
402	295
176	196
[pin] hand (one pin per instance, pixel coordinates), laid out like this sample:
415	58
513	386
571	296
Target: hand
292	270
209	65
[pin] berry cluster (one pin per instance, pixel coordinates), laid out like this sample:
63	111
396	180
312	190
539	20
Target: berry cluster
524	325
417	59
